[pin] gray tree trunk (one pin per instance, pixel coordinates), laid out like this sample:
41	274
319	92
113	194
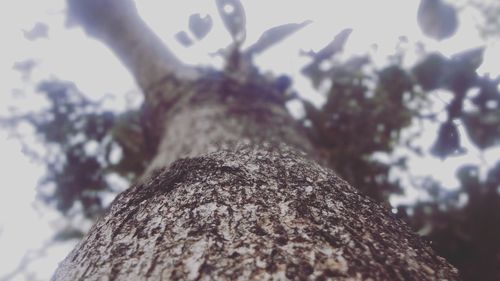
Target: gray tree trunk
235	191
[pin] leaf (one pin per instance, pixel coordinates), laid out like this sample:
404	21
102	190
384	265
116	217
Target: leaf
274	35
431	72
468	175
483	128
40	30
233	16
462	72
335	46
282	83
489	93
471	58
25	66
200	26
183	38
448	141
494	175
396	81
436	19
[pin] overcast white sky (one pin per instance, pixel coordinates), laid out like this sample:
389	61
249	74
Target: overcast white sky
70	55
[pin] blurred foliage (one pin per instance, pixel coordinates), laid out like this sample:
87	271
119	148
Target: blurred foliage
366	113
437	19
39	30
463	225
238	62
79	140
352	108
489	26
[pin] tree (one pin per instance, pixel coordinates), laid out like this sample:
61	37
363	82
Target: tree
234	189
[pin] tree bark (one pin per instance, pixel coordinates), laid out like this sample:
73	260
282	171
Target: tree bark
235	192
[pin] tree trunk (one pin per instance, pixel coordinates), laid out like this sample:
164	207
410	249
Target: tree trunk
235	191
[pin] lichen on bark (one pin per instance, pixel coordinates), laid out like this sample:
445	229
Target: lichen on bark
260	213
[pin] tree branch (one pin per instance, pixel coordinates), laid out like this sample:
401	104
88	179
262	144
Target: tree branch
119	26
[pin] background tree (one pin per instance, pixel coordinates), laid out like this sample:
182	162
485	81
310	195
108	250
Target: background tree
400	96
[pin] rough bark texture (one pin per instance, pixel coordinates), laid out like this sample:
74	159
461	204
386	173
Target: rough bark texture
258	210
254	213
217	112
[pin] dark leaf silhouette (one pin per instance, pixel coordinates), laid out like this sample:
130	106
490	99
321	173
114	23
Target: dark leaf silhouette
472	59
448	141
233	16
462	71
40	30
431	71
468	176
274	35
334	47
483	127
25	67
183	38
200	26
489	95
437	19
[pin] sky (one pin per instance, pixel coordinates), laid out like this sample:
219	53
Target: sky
68	54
